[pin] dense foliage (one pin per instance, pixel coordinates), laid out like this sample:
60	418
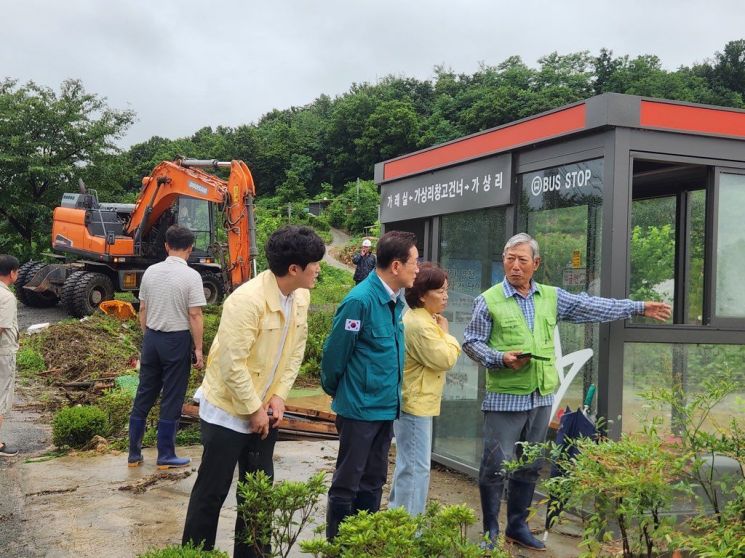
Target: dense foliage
48	140
630	488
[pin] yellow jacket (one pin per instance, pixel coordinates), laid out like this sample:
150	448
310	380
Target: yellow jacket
430	353
238	378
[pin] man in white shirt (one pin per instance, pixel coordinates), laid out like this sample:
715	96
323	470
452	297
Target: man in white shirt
171	300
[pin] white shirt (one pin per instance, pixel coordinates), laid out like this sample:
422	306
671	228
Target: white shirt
391	293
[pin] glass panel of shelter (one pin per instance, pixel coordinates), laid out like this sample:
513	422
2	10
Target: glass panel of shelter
669	215
667	238
470	248
647	366
730	247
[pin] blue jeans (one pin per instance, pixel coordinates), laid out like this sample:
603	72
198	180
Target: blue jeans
413	456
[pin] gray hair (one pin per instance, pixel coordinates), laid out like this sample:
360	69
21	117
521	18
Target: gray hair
523	238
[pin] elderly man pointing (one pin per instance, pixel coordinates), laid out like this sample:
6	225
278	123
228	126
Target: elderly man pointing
511	334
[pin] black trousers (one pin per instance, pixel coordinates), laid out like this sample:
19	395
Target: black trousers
223	448
362	463
165	364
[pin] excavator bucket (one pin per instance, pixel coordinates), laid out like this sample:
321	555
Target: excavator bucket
118	309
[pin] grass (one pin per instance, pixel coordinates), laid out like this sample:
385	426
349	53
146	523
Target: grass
332	285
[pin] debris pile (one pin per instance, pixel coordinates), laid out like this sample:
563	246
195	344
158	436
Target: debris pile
86	356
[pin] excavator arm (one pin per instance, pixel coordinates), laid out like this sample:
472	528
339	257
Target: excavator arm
184	177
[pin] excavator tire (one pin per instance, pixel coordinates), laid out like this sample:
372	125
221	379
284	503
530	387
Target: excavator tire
83	291
214	288
30	298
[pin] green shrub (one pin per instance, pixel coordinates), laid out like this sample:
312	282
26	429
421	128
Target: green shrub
707	537
319	325
632	484
277	513
29	361
188	551
441	532
212	315
75	426
332	285
117	404
189	436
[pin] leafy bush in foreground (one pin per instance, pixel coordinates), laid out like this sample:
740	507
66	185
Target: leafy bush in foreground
75	426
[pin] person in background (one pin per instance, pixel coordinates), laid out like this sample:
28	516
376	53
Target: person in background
252	364
8	341
365	262
430	352
362	369
171	300
511	334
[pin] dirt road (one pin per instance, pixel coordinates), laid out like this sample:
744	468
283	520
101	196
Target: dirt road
340	238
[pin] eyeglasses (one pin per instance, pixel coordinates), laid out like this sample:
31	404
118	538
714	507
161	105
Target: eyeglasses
408	262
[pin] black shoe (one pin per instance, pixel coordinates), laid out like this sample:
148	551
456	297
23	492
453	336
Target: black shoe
491	500
7	451
519	500
522	536
336	512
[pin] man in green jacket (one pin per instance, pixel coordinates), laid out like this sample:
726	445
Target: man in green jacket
362	369
511	334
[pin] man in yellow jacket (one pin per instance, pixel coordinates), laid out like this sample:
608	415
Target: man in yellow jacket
251	367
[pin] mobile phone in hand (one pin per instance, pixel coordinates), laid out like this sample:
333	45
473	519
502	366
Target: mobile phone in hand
531	355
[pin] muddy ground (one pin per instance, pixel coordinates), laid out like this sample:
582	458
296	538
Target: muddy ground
89	505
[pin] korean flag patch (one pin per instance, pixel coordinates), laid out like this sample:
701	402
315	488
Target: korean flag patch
352	325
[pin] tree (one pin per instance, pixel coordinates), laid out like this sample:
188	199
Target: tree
47	140
729	70
390	131
356	208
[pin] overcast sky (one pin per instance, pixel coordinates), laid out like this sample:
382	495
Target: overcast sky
182	65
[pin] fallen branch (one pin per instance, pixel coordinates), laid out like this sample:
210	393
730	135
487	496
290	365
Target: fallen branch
142	485
49	492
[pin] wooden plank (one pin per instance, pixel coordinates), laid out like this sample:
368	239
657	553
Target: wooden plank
289	423
322	415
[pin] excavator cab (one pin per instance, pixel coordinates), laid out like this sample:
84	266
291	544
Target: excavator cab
200	217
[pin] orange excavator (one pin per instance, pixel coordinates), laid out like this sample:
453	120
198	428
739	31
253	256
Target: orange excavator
104	248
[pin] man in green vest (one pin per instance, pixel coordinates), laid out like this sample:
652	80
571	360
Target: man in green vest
511	334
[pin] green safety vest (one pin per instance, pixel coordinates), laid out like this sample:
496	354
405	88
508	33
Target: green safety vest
510	332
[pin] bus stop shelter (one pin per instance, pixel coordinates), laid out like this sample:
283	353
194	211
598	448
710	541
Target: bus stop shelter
628	197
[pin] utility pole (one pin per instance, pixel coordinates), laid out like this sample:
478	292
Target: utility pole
289	212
